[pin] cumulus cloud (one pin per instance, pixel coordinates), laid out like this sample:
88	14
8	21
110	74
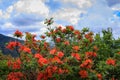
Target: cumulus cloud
80	4
98	17
116	7
1	13
7	13
32	7
71	15
72	10
8	26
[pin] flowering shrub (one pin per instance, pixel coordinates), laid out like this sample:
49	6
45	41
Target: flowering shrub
75	55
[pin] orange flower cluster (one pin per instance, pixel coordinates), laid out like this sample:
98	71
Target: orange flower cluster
53	51
41	60
25	49
60	54
76	32
91	54
71	28
14	65
89	36
66	43
38	55
111	62
95	48
58	40
49	72
75	48
87	64
18	34
15	76
56	59
99	76
12	45
76	55
42	36
83	73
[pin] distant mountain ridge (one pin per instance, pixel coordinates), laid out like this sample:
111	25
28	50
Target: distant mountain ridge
5	39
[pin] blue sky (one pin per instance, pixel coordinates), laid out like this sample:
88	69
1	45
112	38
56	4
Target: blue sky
29	15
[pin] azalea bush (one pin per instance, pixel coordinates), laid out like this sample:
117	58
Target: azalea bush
74	55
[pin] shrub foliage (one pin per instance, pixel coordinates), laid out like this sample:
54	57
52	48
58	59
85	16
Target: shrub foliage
74	55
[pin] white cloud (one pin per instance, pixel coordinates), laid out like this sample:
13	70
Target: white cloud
71	15
9	9
116	7
8	26
80	4
32	7
7	13
1	13
71	10
98	17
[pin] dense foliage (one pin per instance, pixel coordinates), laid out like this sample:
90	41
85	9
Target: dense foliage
76	55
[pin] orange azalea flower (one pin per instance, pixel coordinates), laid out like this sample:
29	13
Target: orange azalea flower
18	34
91	54
9	63
46	44
53	51
60	54
76	48
64	30
79	36
42	36
12	45
14	65
76	32
15	76
99	76
70	28
33	37
37	55
25	49
59	28
86	64
57	59
28	50
95	48
40	76
118	52
66	43
83	74
113	78
42	61
58	40
90	39
49	71
110	62
87	36
60	71
76	55
54	68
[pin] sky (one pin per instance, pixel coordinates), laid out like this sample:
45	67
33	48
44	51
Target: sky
29	15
